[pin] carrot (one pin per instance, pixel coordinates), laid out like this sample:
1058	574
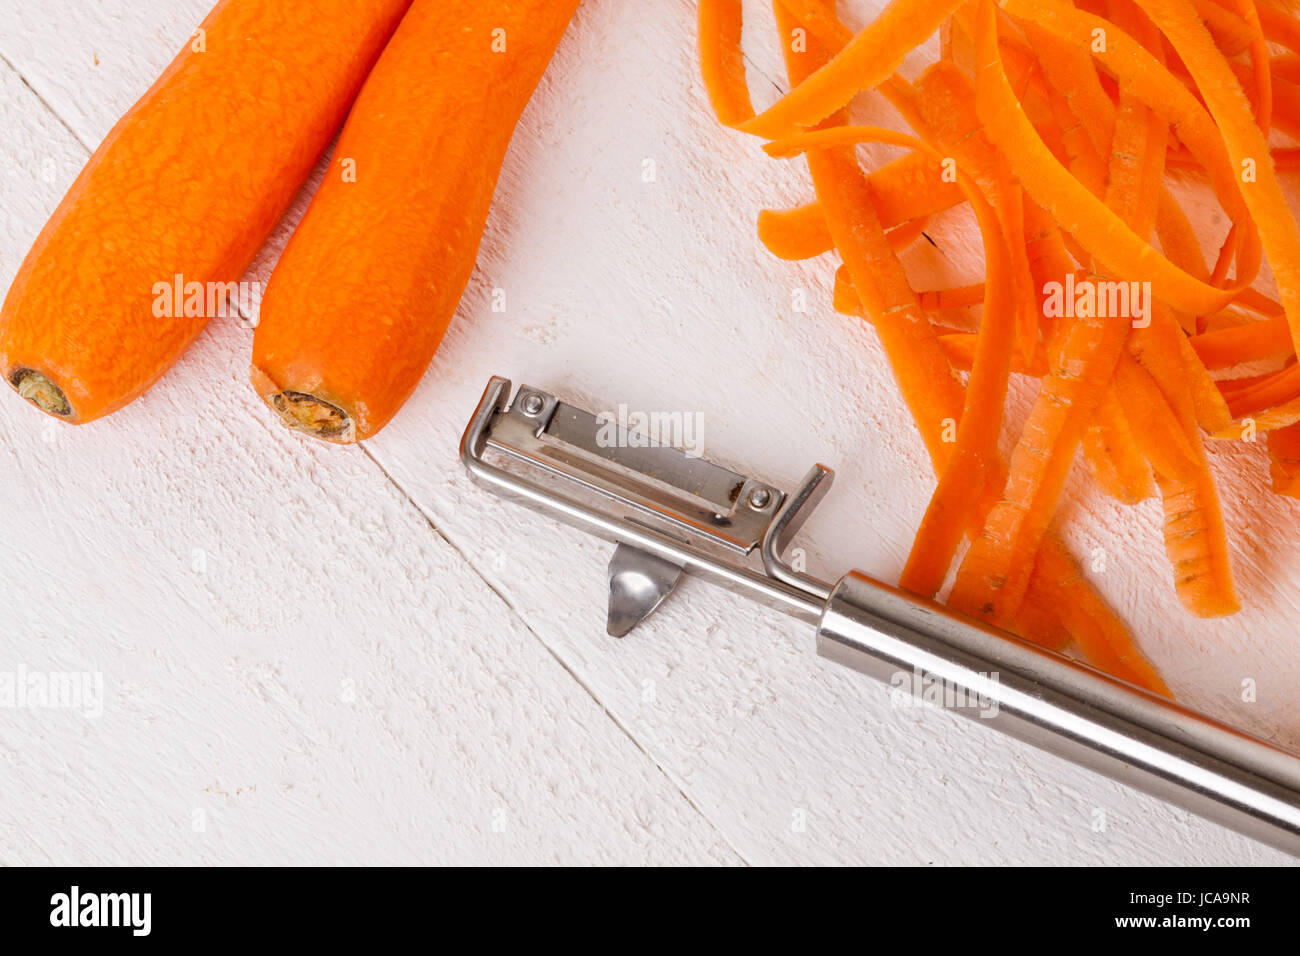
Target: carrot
1253	342
1070	70
1060	147
993	578
938	108
910	187
1100	634
952	507
1286	67
910	346
924	376
925	379
1259	57
721	61
955	298
1273	390
1154	424
868	59
397	242
1279	416
1209	410
181	194
1284	460
798	233
1232	32
907	190
1278	27
818	17
1245	142
1196	543
1080	213
960	349
943	302
1178	239
1111	450
1195	539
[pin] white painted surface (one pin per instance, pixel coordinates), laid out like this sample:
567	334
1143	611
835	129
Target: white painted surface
448	694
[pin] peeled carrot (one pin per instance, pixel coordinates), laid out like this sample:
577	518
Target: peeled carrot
909	187
798	233
1059	119
1155	426
960	349
910	345
1080	213
181	194
721	61
1112	453
1284	460
908	190
1232	33
371	278
1245	142
940	107
1273	390
994	576
962	480
868	59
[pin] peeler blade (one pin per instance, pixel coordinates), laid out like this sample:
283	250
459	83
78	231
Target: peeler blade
638	583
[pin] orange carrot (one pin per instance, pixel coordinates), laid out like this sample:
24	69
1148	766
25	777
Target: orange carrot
869	58
1231	31
955	298
168	213
911	187
939	109
909	345
1273	390
960	349
1155	425
1102	232
952	507
397	240
907	190
1111	450
1245	142
1284	460
798	233
1255	341
994	576
721	61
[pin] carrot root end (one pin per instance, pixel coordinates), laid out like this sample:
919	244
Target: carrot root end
314	416
41	392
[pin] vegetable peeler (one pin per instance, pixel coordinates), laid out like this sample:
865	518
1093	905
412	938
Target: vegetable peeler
670	513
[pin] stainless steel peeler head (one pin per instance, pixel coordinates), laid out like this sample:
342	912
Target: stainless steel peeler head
669	512
672	514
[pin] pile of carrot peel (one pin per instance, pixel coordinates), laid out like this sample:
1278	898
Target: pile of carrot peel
1061	126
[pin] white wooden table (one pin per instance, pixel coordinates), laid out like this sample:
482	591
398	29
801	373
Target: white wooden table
451	696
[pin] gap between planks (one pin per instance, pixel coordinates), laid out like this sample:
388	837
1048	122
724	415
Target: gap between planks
587	689
755	71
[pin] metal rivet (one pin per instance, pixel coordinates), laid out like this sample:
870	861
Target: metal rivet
759	498
533	404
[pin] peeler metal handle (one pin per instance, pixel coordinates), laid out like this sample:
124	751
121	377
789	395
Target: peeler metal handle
670	513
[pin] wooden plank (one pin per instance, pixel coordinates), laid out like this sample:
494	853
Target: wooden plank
622	240
286	663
